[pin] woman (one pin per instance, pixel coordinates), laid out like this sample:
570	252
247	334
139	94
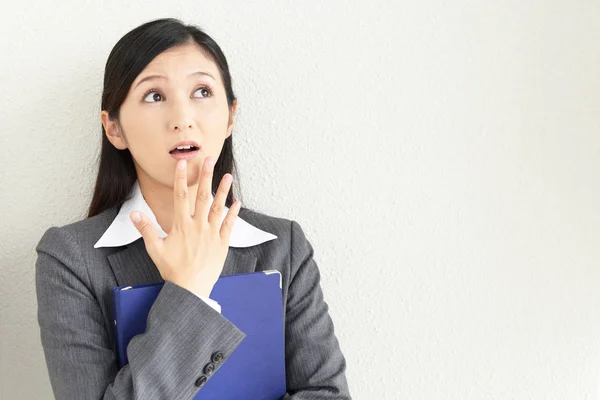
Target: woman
161	211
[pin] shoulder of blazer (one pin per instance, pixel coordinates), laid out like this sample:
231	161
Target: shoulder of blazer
278	226
86	231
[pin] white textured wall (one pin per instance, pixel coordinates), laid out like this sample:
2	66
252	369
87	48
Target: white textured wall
442	157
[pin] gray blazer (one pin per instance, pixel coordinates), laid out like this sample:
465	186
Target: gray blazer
184	334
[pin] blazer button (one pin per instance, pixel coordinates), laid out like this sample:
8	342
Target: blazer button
209	369
201	381
217	357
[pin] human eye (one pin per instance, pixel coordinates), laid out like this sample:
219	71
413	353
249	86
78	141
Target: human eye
207	91
156	94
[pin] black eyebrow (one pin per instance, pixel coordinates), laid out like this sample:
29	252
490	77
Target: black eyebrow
150	77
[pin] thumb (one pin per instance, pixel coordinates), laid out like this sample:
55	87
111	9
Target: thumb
146	228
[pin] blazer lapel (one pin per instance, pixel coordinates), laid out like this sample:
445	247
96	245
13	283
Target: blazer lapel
133	265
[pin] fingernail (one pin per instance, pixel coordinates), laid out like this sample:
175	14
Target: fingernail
136	217
211	162
182	164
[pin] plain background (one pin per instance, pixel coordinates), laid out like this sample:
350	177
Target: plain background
442	157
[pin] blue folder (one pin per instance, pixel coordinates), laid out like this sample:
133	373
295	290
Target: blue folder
252	302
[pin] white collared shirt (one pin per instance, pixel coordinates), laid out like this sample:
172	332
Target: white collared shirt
122	231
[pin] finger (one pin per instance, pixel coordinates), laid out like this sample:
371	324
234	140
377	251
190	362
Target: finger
147	229
227	226
218	206
203	197
181	206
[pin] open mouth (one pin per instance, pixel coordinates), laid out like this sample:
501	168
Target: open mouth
183	150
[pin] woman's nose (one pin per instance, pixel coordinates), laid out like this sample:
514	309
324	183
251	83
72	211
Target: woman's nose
181	116
182	125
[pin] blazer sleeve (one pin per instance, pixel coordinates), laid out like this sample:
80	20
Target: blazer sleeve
166	362
211	303
315	365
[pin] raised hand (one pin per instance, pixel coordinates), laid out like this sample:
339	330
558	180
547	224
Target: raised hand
193	254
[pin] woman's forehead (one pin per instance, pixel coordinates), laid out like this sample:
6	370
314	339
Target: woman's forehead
180	61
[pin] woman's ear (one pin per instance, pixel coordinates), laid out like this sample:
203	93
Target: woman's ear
112	131
231	119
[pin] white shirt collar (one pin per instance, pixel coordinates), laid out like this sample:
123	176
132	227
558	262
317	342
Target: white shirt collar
122	231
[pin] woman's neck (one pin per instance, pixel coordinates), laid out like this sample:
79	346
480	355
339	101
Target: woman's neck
160	200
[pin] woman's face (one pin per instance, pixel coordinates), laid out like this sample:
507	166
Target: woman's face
188	102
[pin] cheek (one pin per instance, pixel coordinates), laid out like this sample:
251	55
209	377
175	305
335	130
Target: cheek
215	113
146	148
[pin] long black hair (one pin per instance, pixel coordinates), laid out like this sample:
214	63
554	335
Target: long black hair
132	53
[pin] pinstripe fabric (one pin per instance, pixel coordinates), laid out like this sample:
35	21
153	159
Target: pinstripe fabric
73	286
